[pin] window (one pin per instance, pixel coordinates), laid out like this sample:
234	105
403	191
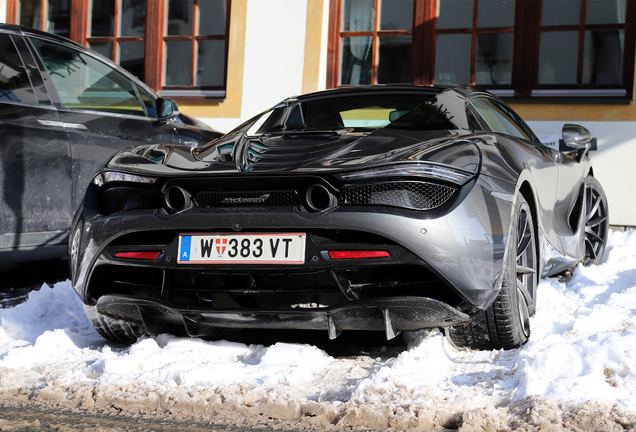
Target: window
581	45
195	44
178	47
500	119
119	34
516	48
476	51
359	111
398	110
85	83
52	16
362	30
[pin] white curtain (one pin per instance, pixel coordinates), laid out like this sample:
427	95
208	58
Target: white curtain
361	17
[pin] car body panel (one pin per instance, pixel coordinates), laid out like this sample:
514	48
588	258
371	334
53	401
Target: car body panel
35	157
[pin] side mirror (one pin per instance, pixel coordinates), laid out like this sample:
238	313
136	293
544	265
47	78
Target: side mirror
576	137
166	108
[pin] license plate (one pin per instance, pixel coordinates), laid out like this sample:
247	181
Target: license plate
229	248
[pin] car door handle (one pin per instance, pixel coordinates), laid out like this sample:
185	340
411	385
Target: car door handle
62	124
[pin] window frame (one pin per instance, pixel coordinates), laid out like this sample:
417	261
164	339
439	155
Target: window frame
116	39
89	66
527	32
376	33
193	38
154	49
12	14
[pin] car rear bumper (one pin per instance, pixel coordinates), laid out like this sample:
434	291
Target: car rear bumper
459	256
391	315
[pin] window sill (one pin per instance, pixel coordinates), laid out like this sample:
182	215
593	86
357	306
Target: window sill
194	96
568	97
581	100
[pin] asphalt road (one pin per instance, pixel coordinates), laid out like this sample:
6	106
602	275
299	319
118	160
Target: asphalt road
29	417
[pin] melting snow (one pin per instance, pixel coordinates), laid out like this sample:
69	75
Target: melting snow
581	357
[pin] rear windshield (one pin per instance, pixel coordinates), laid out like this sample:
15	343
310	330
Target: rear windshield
369	111
357	111
414	111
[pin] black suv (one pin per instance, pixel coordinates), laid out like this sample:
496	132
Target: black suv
64	110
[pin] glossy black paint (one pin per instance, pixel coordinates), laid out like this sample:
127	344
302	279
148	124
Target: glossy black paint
50	153
456	249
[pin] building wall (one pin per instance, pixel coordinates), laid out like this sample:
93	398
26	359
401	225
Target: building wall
277	49
274	53
614	162
296	37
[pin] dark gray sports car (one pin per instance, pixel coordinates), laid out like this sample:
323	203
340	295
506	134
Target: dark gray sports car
390	208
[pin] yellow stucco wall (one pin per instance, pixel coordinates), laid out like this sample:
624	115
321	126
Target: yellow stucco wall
313	40
548	112
230	107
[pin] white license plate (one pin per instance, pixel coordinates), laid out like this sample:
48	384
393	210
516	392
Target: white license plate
229	248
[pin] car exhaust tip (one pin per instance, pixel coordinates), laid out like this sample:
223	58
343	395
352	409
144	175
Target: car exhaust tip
177	199
319	198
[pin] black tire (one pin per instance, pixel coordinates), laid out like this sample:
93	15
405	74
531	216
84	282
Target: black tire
596	222
506	323
114	330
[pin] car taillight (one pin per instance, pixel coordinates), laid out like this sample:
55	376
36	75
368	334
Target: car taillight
142	255
115	176
423	170
358	254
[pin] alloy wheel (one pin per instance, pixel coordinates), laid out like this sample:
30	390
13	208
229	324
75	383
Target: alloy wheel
596	222
526	268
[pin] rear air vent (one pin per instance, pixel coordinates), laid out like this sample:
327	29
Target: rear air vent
119	199
410	195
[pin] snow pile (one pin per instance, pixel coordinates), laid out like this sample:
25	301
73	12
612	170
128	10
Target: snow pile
583	345
578	370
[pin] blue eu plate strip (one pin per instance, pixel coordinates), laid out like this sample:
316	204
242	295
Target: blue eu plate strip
184	252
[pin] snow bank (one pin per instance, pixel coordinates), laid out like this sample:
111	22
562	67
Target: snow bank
579	367
583	345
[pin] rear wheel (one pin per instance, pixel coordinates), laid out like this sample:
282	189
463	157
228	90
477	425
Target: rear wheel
115	330
506	323
596	221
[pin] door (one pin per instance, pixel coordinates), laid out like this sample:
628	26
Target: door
102	110
570	205
538	159
35	166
